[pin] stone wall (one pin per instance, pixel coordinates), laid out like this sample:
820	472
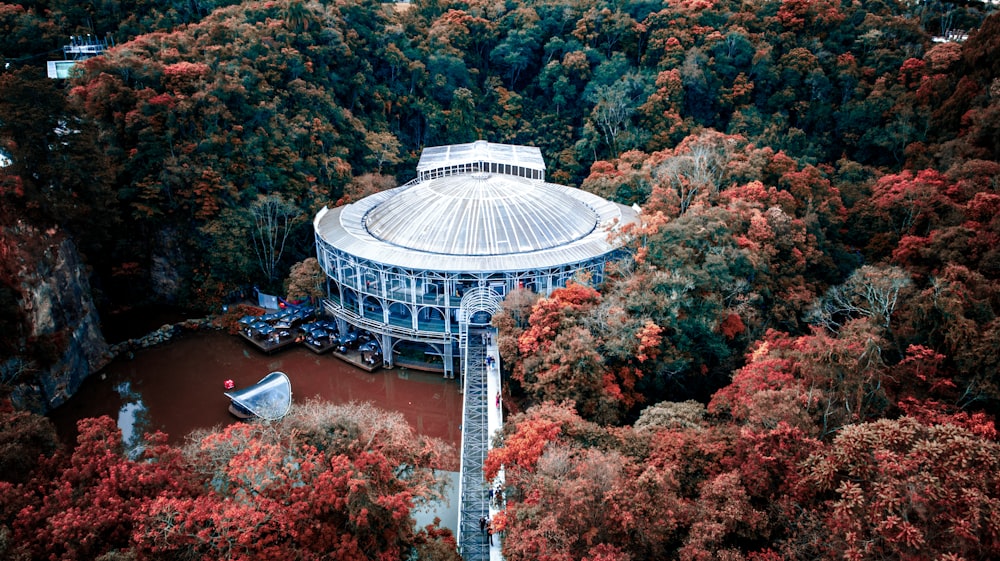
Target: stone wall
162	335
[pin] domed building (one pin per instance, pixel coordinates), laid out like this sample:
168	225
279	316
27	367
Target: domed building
418	265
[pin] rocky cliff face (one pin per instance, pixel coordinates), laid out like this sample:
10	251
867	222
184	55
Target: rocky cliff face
166	282
61	340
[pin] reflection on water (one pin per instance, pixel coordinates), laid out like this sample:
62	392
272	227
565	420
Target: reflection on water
446	509
132	417
178	387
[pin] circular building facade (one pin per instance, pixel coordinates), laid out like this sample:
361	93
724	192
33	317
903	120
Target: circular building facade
415	266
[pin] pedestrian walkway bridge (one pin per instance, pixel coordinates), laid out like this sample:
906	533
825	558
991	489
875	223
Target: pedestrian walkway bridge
481	417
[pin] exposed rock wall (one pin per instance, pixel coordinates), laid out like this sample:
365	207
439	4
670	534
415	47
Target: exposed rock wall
61	318
59	343
166	282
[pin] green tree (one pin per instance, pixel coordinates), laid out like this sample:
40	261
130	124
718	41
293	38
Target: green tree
516	53
383	148
57	175
26	439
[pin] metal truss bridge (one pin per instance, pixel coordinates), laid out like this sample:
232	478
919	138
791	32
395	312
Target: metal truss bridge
481	416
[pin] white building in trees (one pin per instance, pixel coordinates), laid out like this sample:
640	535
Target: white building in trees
419	264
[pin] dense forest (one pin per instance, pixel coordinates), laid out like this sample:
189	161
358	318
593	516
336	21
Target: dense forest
800	360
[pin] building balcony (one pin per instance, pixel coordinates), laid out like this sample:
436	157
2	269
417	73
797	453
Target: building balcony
398	326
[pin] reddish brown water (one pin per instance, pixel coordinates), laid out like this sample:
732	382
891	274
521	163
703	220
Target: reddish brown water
177	387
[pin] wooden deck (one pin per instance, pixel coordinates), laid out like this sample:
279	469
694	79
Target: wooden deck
269	346
296	336
354	357
418	365
324	346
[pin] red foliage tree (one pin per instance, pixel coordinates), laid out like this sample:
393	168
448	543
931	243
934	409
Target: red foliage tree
340	478
526	439
565	355
249	491
85	505
815	382
954	317
25	438
568	500
913	203
723	515
904	490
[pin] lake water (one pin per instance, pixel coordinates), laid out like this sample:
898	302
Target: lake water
178	387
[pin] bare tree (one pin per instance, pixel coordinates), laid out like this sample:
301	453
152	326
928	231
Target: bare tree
614	106
871	292
611	112
698	165
273	218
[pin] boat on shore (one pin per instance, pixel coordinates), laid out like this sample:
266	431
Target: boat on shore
269	399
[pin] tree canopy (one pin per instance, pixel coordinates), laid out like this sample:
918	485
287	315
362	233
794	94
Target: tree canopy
324	479
797	359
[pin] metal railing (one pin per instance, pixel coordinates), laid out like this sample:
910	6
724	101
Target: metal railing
427	331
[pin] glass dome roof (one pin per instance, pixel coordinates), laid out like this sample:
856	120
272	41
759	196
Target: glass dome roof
481	214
